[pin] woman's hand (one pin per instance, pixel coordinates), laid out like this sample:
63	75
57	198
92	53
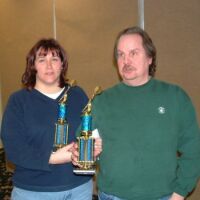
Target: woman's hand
75	155
62	155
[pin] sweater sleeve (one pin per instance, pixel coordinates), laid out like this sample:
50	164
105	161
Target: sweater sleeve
188	171
15	140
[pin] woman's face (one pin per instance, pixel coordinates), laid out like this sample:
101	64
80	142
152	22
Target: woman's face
48	66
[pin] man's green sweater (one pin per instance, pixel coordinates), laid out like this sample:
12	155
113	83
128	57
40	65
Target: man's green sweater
142	129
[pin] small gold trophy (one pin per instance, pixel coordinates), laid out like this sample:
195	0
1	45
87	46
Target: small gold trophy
86	141
62	126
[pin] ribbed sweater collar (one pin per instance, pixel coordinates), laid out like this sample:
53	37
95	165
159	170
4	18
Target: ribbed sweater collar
143	87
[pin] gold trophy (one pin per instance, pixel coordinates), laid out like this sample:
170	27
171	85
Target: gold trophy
62	126
86	141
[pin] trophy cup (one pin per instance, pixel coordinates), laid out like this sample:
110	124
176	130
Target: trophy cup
86	141
62	126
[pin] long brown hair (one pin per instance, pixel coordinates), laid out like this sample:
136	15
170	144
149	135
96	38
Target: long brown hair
44	46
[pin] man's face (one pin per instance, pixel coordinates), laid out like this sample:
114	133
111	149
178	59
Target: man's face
133	62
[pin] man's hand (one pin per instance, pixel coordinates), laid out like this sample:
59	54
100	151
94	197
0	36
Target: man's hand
97	147
176	196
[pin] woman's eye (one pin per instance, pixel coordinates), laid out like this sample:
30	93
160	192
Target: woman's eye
40	60
56	59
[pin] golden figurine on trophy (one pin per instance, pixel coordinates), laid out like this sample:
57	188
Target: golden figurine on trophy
62	126
86	141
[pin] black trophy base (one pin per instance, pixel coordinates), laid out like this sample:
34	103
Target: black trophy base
84	171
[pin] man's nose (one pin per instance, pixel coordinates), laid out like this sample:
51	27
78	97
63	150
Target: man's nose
127	59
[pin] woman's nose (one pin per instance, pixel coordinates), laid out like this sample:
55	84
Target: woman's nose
49	64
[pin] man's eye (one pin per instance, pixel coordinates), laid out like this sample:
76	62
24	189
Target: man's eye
132	53
120	55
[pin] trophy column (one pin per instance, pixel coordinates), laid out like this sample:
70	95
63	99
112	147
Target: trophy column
61	126
86	147
86	141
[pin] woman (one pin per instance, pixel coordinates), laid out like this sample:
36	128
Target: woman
28	128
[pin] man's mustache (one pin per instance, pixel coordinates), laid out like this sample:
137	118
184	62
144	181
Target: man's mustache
128	67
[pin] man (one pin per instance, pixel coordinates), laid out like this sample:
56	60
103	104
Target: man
150	134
